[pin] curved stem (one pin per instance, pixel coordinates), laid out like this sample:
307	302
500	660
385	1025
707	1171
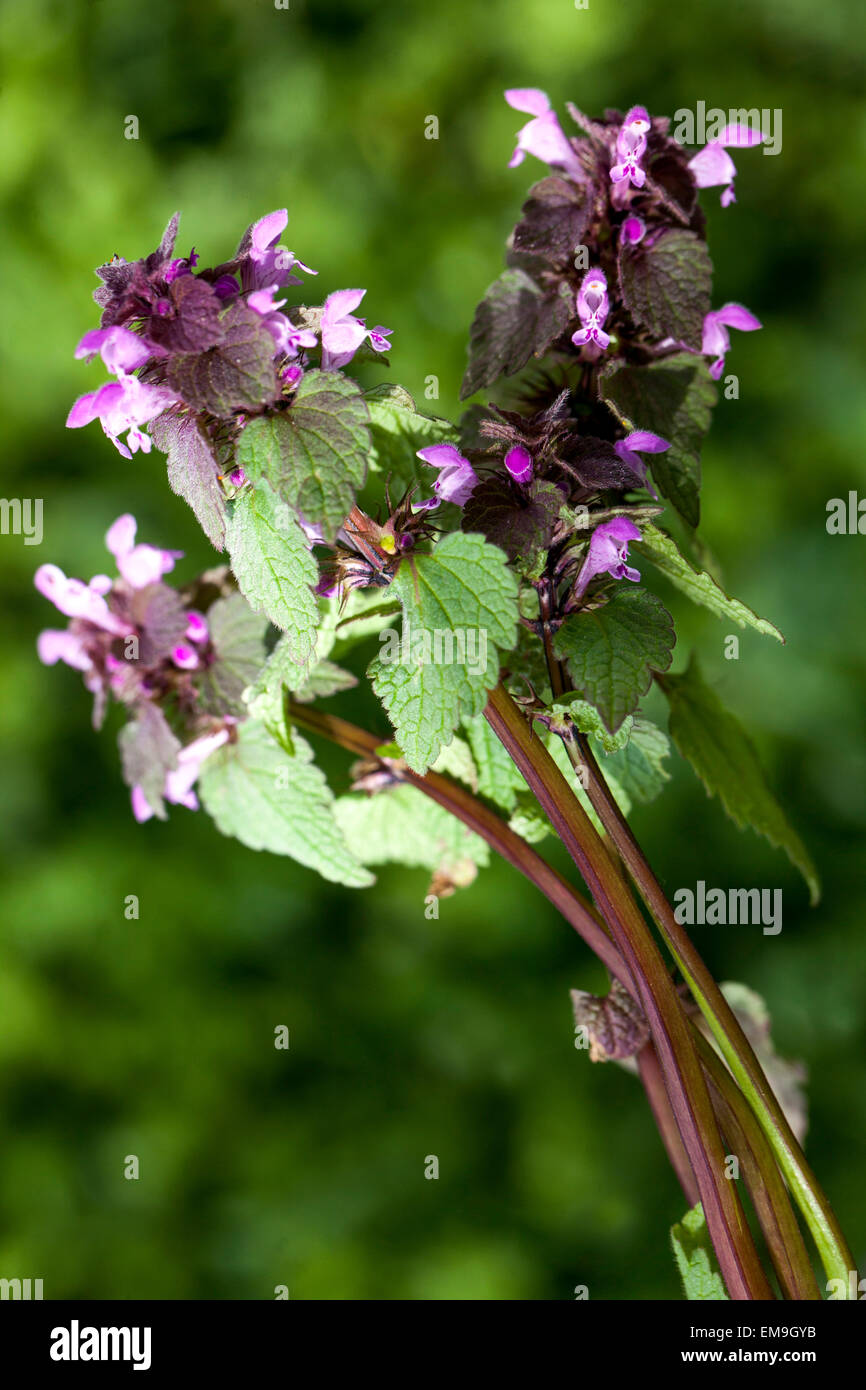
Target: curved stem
684	1077
726	1029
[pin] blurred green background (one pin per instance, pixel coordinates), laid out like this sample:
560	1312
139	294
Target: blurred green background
409	1037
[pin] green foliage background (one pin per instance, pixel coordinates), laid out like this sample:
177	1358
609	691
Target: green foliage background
408	1037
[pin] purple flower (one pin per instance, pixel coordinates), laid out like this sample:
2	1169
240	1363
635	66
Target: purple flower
139	565
630	146
179	783
712	165
457	477
197	629
264	261
637	443
519	464
542	136
608	553
75	599
342	333
632	230
593	308
716	340
120	350
125	404
289	339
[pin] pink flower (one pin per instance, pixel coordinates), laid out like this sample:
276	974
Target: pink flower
712	165
343	334
75	599
608	553
139	565
180	781
121	405
593	308
457	477
716	340
289	339
630	146
268	263
637	443
519	464
542	137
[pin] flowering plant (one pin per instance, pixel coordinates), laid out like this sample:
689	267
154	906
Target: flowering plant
514	550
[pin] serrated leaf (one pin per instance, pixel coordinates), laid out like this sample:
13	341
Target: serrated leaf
148	750
237	374
638	765
587	719
696	1259
257	793
397	430
515	319
700	586
459	613
520	522
498	777
666	285
612	651
314	454
674	398
456	761
401	825
554	220
193	472
274	567
722	754
237	635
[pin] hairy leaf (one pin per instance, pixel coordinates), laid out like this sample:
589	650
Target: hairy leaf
401	825
148	750
313	454
515	319
612	651
193	472
520	522
700	586
459	613
238	638
258	793
274	567
498	777
666	285
638	766
555	217
237	374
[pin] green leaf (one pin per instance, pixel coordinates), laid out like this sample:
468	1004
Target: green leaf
515	319
237	635
193	472
237	374
256	792
274	567
459	613
723	756
666	285
314	454
638	766
700	586
612	651
674	398
587	719
401	825
148	750
456	761
696	1259
498	777
398	430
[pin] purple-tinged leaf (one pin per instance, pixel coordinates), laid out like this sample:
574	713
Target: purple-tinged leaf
148	750
666	285
515	319
237	375
193	472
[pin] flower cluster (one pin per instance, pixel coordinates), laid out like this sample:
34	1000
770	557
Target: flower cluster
219	343
136	640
